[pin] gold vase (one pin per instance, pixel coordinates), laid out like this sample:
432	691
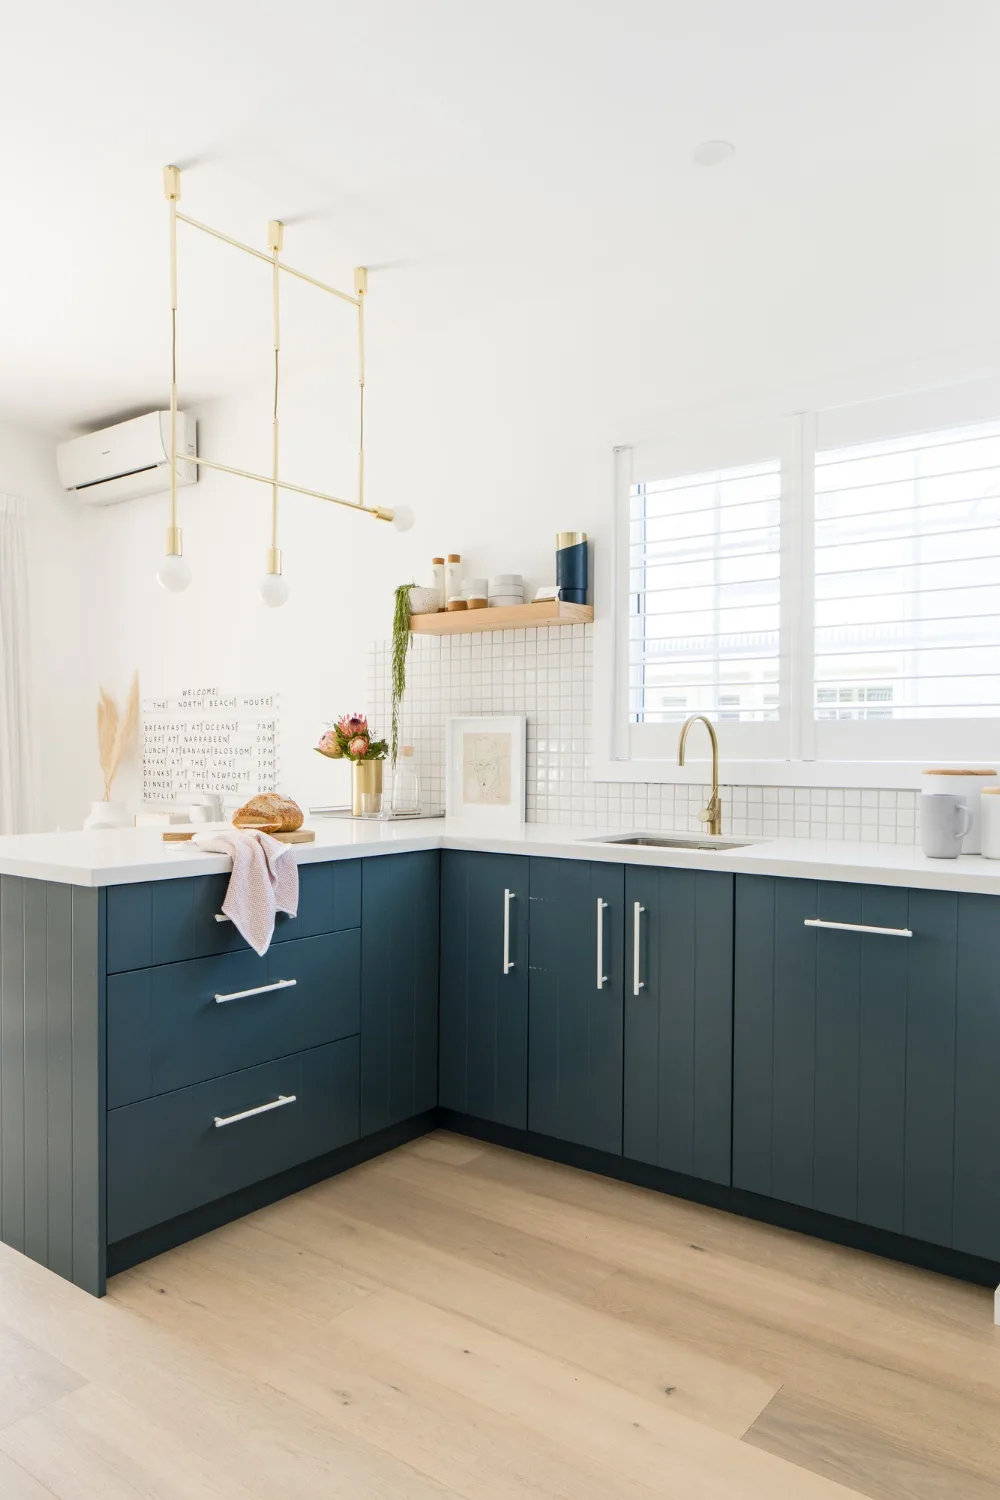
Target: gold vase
366	776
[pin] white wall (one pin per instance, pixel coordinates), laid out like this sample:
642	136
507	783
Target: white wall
61	648
495	400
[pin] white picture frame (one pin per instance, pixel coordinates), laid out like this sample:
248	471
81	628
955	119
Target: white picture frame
485	769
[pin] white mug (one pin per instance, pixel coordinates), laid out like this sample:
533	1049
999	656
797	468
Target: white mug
944	822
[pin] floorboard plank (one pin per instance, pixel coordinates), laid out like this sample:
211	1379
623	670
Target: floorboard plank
817	1437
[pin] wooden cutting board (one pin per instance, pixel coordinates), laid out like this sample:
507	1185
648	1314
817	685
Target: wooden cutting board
182	835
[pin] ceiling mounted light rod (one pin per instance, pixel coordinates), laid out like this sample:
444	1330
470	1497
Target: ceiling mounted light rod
272	588
174	572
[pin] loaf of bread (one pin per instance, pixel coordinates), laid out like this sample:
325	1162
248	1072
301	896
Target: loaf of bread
270	813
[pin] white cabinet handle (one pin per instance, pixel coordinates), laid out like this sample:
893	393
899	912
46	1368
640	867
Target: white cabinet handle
220	916
248	1114
857	927
261	989
637	983
602	978
508	962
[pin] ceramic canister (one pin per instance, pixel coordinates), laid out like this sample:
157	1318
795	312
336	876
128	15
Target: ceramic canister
989	818
967	783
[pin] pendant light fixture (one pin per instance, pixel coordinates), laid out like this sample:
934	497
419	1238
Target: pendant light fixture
174	573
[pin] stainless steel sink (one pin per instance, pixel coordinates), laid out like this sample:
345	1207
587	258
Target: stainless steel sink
656	841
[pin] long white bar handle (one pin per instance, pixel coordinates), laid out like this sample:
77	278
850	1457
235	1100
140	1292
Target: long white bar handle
637	983
261	989
602	978
857	927
248	1114
508	962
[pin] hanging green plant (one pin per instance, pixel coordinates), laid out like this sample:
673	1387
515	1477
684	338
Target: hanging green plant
401	641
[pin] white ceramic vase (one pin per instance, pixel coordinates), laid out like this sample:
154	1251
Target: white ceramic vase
107	815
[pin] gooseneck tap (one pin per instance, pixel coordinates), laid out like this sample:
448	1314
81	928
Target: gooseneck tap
712	814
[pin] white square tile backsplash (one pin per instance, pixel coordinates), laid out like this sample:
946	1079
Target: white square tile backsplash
545	674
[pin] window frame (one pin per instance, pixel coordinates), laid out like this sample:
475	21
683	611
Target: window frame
804	752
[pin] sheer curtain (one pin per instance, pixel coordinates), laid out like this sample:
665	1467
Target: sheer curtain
15	732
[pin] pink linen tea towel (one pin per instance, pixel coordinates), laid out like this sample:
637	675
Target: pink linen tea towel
265	880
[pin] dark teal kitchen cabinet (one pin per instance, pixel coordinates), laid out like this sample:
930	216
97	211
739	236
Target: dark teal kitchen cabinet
678	1057
484	986
576	931
866	1062
399	987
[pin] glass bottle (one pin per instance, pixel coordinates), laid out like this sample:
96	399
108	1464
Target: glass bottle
405	785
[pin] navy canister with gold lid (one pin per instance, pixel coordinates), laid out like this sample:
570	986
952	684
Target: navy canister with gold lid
571	566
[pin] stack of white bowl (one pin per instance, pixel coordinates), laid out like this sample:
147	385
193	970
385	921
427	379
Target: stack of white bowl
507	588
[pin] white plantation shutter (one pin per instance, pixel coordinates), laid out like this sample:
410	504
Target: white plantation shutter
907	578
705	596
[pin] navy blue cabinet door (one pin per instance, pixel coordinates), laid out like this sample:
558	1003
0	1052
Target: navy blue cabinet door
679	1020
575	934
484	986
399	987
846	1057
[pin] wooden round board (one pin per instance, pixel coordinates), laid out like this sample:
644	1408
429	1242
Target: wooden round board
181	835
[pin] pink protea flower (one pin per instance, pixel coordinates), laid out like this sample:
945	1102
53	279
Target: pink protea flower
328	745
358	747
353	724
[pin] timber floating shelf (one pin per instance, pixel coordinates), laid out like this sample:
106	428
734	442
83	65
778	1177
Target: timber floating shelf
502	617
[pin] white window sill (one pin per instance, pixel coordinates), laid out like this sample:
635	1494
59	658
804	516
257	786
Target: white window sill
899	775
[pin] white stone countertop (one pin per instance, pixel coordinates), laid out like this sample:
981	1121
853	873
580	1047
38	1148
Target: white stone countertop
121	856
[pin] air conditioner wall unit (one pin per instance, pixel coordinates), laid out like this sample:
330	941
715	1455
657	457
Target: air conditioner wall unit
128	460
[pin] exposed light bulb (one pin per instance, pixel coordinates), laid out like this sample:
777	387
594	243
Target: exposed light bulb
402	518
173	574
273	590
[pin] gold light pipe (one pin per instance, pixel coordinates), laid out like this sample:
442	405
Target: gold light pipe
260	255
378	511
361	287
172	190
275	237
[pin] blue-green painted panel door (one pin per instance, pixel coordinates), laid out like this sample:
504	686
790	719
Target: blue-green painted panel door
977	1078
575	1012
844	1066
679	1020
399	987
484	986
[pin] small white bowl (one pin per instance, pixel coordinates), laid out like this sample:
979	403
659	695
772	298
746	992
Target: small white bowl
424	601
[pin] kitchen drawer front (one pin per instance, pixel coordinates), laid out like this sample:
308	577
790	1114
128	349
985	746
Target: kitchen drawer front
167	921
166	1155
167	1030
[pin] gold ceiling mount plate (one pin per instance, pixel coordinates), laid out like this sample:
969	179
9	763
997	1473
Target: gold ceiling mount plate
178	572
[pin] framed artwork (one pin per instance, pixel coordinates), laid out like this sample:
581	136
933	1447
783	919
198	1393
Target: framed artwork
484	782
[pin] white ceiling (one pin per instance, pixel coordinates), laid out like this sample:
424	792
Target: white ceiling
467	150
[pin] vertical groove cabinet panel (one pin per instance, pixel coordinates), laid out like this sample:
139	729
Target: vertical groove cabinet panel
399	987
679	1027
483	1011
52	1076
977	1079
575	1030
844	1052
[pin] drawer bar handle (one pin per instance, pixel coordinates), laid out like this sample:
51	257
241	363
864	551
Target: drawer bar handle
220	916
857	927
248	1114
260	989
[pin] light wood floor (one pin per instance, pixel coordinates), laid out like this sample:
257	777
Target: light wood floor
457	1320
